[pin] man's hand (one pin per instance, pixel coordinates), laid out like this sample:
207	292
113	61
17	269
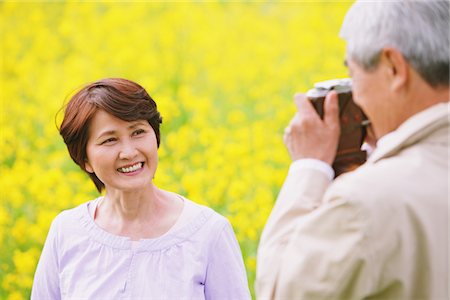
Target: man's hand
307	136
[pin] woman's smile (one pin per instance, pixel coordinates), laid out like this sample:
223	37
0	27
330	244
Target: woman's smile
131	169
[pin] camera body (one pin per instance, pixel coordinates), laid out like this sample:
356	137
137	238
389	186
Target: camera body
353	123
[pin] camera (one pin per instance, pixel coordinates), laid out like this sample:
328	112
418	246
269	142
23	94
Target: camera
352	120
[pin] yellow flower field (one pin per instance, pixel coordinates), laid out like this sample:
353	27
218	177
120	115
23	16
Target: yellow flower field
222	73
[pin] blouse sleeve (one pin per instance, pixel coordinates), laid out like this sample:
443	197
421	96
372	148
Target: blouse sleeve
46	278
226	276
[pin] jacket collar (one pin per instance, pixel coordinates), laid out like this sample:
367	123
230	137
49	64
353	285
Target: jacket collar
412	131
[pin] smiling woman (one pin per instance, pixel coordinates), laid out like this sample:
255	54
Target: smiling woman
137	241
119	98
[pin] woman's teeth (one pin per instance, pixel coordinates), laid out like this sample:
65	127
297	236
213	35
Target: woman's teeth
131	169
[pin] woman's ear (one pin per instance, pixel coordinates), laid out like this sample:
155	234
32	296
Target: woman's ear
397	67
88	167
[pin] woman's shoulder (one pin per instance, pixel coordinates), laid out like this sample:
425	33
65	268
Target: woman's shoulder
71	217
212	217
200	220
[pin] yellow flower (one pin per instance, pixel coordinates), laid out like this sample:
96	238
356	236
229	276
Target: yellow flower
15	295
222	73
25	261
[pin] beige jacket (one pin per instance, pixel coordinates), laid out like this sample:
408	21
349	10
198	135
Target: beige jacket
379	232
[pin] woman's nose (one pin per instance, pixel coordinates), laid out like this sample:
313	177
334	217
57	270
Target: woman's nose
127	151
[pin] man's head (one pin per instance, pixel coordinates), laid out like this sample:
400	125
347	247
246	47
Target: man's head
418	29
398	57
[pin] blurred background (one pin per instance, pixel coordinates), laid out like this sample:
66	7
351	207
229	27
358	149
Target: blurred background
222	73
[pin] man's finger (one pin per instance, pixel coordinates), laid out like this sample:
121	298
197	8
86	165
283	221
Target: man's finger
331	109
304	106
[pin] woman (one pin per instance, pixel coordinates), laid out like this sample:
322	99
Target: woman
137	241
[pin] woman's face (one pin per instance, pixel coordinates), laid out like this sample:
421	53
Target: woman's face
122	154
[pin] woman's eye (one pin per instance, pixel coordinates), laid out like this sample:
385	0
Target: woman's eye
138	132
110	140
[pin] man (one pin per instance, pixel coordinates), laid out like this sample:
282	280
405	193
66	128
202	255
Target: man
380	231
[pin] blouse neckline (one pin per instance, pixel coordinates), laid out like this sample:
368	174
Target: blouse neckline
165	241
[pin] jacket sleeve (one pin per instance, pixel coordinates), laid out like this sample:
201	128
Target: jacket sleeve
46	278
327	256
315	244
226	276
302	192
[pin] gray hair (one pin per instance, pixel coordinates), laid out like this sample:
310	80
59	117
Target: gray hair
418	29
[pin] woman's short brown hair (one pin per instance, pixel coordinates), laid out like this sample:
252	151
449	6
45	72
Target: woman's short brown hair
119	97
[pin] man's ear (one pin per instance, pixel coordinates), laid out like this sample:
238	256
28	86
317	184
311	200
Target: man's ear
397	67
88	167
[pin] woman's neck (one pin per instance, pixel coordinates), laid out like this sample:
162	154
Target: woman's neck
148	213
132	206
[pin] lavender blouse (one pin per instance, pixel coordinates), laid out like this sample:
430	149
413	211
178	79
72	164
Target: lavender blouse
199	260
